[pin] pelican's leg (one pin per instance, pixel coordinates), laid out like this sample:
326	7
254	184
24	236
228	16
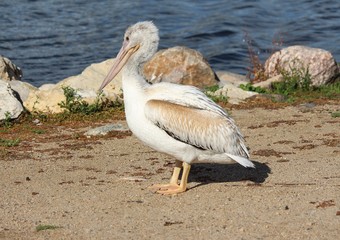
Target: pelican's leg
179	188
173	180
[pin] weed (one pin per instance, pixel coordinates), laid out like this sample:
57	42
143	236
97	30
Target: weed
38	131
7	121
250	87
213	88
9	143
256	73
335	114
42	227
331	91
295	79
74	103
209	91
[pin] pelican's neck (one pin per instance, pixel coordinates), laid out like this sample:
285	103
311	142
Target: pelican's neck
133	85
132	77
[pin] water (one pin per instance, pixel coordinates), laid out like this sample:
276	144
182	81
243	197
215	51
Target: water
53	39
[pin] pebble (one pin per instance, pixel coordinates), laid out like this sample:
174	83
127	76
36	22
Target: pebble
103	130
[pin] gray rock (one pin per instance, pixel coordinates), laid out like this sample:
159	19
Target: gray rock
8	70
235	95
231	78
22	88
103	130
320	63
47	97
9	104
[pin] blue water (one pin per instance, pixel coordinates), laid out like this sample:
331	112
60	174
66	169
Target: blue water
53	39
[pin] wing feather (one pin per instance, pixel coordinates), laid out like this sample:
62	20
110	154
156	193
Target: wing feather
201	127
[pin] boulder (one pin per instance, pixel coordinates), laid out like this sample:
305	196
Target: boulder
180	65
8	70
9	104
47	97
92	77
45	101
320	63
22	88
47	86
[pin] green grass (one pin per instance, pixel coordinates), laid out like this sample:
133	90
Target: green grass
335	114
7	123
216	98
9	143
42	227
294	80
250	87
38	131
296	85
75	104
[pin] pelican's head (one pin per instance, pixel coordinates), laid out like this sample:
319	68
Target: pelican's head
139	45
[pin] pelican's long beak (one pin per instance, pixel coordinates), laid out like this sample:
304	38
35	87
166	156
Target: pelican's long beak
122	57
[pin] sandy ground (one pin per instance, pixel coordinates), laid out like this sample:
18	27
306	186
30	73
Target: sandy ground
97	188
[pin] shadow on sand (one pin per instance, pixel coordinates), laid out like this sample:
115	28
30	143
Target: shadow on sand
212	173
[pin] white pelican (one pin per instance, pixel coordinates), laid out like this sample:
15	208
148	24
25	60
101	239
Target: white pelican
174	119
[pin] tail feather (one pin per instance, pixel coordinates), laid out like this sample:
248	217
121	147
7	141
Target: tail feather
241	160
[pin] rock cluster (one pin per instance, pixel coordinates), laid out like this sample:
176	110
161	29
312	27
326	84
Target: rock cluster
178	65
47	97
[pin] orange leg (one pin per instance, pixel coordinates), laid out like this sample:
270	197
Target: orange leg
173	187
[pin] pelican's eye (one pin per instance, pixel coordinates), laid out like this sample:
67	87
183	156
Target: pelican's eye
127	38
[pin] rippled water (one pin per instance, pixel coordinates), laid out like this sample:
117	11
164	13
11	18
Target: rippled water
53	39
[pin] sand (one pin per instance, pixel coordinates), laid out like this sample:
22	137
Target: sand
97	188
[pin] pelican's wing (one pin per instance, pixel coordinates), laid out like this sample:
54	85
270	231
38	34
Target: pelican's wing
201	125
184	95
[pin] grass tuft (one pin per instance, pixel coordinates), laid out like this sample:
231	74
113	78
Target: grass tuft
335	114
42	227
9	142
209	91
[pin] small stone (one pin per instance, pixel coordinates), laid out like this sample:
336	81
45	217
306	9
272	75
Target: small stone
36	121
103	130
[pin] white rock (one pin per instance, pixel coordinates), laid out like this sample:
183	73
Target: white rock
235	95
22	88
231	78
47	86
103	130
47	97
8	102
92	77
320	63
45	101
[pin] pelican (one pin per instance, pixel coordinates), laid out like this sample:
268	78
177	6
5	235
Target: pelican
174	119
